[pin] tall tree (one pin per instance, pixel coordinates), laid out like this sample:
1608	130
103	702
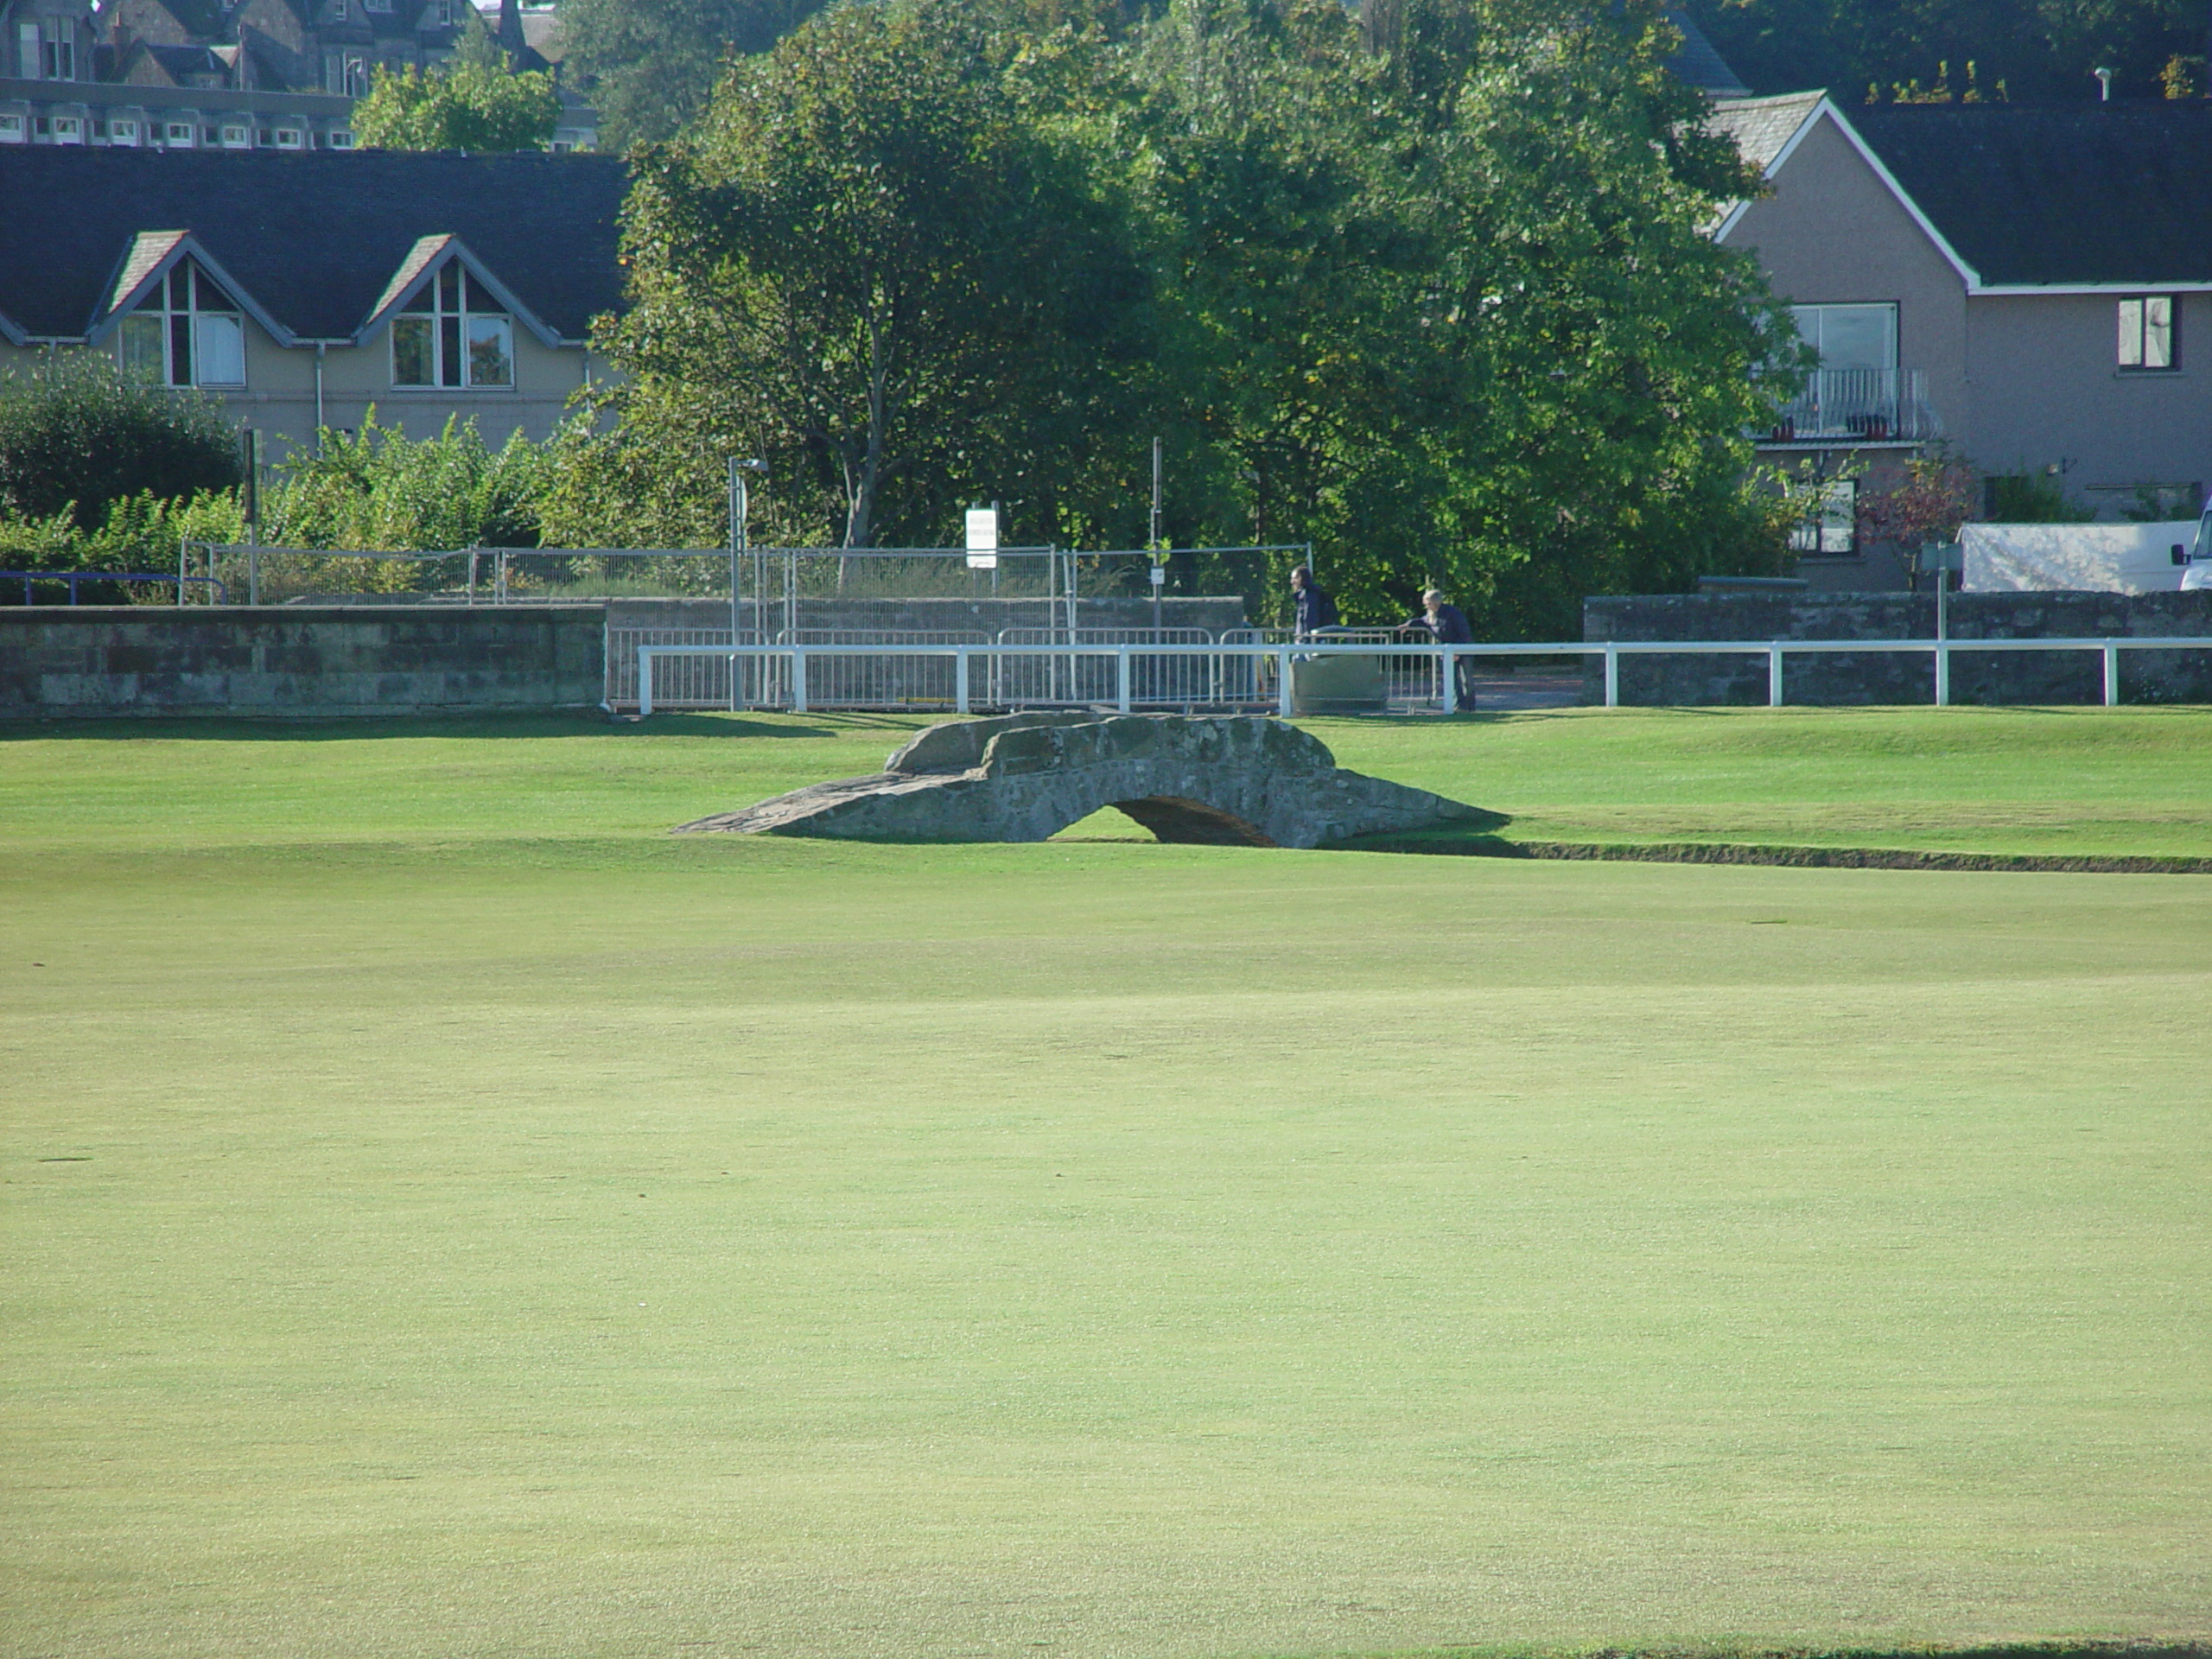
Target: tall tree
880	261
1456	313
650	65
476	104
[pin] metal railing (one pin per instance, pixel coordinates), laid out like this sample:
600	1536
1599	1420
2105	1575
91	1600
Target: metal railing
75	578
961	677
1873	405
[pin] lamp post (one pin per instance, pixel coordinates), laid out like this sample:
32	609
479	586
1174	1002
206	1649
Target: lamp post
740	507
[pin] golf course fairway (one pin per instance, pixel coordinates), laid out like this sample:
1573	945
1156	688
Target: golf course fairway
445	1215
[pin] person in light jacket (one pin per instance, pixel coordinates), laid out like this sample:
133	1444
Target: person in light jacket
1446	625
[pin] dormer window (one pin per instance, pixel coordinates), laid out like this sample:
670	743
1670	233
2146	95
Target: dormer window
185	332
2150	332
453	332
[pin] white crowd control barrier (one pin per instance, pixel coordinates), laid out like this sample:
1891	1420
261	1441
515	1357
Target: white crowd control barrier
963	676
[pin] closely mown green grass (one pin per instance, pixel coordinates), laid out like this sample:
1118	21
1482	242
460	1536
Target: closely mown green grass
2052	781
444	1215
2095	782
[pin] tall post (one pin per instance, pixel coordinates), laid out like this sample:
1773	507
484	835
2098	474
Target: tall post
739	506
250	500
1157	572
1153	538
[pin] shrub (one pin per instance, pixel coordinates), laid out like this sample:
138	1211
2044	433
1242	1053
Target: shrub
77	436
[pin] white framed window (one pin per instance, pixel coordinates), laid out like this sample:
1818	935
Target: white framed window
289	138
452	334
122	132
180	134
1850	336
2150	333
341	139
185	333
235	137
68	130
11	129
355	76
1832	527
58	51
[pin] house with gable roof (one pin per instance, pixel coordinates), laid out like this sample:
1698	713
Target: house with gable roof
2026	288
304	289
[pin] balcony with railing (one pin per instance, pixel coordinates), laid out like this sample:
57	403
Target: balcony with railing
1858	406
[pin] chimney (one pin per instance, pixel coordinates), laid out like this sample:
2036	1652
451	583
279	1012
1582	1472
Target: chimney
511	40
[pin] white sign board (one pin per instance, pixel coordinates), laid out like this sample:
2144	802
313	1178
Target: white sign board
982	538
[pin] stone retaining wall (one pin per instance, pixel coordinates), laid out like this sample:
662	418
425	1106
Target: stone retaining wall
1898	676
298	661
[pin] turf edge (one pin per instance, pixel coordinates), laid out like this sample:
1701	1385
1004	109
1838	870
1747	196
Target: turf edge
1842	858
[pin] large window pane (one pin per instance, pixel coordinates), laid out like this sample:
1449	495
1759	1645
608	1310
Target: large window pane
411	352
491	352
218	342
142	347
1852	336
2158	332
2131	334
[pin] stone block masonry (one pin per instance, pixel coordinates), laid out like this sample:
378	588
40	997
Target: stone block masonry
298	661
1843	678
1231	781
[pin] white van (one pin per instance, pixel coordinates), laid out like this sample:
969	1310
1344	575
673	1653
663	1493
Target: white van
2199	574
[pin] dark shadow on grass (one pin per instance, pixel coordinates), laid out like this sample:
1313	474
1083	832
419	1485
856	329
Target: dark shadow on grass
341	730
1472	842
2112	1650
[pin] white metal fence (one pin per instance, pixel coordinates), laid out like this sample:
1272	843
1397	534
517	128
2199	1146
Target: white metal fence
1126	675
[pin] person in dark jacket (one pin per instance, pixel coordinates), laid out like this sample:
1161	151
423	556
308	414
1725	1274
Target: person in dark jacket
1316	610
1447	626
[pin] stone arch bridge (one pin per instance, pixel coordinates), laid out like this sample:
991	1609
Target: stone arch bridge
1223	782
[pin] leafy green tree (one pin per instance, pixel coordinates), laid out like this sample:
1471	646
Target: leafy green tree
475	104
1449	308
880	262
650	65
376	488
76	435
1432	291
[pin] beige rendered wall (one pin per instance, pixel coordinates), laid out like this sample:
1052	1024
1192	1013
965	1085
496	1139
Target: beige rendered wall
1833	234
357	376
279	393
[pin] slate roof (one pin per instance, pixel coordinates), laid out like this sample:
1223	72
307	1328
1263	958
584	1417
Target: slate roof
1761	126
1696	62
2117	194
313	237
